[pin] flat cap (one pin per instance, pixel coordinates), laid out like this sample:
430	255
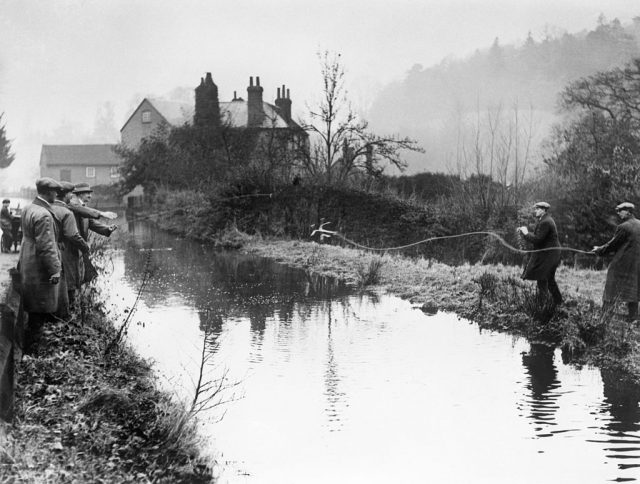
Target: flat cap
66	187
626	206
82	187
544	205
6	200
46	183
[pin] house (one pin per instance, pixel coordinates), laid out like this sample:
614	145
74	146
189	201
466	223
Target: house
94	164
255	114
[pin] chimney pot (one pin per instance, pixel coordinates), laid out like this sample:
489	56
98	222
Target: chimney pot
251	81
278	93
288	96
257	80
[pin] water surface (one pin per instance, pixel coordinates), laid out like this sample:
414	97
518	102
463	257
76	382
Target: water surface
335	386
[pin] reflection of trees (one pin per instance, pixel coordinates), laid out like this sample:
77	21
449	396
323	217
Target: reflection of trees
242	285
542	384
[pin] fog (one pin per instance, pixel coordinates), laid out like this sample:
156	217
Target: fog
71	71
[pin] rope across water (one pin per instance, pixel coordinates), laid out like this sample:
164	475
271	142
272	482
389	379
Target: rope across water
325	233
466	234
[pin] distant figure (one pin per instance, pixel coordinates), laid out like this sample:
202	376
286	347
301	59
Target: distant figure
542	266
6	226
16	231
39	262
623	274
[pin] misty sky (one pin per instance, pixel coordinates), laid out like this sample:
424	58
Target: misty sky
62	60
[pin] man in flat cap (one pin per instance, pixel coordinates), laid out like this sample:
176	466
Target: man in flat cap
71	245
87	220
542	265
39	261
623	274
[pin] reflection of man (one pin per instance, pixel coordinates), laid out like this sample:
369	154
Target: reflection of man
39	261
87	219
623	275
542	265
543	380
71	244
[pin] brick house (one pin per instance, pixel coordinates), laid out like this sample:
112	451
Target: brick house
94	164
254	113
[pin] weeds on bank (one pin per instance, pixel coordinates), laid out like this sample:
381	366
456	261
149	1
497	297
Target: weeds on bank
369	271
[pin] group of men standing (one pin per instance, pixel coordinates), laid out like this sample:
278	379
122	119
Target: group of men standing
623	274
53	261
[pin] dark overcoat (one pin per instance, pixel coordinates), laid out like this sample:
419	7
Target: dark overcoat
39	258
87	220
71	244
623	275
541	265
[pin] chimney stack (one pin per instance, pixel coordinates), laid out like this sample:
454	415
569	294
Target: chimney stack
255	109
207	112
283	102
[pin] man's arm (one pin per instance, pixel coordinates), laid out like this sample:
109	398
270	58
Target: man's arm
619	237
100	228
85	212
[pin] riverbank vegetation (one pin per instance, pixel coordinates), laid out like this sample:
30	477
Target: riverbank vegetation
589	164
88	410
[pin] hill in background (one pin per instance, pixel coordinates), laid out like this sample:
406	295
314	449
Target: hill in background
446	106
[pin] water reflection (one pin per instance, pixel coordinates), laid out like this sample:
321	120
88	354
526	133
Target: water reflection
343	387
542	385
621	413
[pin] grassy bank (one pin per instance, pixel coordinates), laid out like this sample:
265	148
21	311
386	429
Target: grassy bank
493	295
87	410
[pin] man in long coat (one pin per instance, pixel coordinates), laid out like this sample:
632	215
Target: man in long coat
39	261
542	265
623	274
87	220
71	244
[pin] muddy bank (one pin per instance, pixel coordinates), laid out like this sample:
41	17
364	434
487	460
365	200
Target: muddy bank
87	410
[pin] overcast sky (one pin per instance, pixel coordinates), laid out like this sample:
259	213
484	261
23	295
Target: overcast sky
61	60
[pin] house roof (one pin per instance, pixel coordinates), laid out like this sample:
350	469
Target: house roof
234	112
79	155
176	113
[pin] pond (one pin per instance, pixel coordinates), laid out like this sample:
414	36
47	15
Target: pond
323	384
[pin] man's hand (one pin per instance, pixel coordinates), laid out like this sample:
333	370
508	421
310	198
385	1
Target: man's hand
523	230
54	279
109	215
112	228
596	248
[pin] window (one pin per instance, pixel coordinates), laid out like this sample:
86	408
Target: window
146	116
91	172
65	175
114	171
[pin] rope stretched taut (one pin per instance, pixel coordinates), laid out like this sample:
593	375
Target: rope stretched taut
328	233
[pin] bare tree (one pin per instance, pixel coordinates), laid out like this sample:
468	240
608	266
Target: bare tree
341	143
496	150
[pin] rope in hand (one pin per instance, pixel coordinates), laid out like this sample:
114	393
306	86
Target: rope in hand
328	233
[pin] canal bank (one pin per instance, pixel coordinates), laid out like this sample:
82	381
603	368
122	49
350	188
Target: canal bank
87	409
492	295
